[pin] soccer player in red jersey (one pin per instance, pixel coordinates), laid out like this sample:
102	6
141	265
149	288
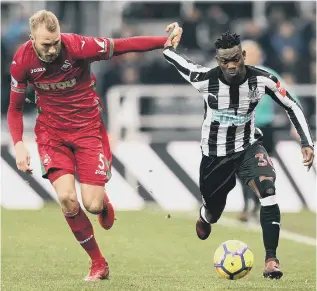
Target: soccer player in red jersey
70	134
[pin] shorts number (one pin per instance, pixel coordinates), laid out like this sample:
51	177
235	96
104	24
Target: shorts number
262	161
101	166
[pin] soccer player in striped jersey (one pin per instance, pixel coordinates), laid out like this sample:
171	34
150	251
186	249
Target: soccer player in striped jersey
231	143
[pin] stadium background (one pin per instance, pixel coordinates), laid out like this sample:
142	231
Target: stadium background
153	116
154	119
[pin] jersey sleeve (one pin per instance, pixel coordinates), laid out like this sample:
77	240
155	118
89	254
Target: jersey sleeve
282	97
19	82
94	48
15	116
17	95
277	75
102	48
138	44
18	76
196	75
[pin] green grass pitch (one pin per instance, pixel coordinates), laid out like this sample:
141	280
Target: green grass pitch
146	251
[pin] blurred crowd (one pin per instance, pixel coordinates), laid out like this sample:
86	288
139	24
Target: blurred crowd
287	39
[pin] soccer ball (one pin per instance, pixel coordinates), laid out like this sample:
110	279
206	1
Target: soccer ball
233	260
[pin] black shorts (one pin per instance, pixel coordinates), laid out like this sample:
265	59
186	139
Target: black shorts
218	175
268	138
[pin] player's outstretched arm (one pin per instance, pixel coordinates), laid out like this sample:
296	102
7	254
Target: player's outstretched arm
147	43
103	48
137	44
195	74
296	115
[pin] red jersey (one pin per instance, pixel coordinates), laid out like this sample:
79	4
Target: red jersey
66	98
65	93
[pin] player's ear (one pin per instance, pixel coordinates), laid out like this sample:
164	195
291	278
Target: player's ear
244	54
217	58
31	37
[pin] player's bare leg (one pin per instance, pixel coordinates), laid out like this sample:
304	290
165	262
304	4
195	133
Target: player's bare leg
80	224
270	222
96	201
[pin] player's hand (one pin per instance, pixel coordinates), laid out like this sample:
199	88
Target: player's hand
308	157
23	159
175	35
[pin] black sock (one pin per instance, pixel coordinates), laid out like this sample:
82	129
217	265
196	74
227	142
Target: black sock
270	218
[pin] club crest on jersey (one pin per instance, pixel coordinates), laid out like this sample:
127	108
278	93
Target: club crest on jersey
253	94
102	44
67	65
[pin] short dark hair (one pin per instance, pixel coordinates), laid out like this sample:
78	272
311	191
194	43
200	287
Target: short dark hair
227	40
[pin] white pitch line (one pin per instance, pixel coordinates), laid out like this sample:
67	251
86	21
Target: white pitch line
225	221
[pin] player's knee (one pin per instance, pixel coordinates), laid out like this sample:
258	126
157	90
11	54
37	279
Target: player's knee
266	189
68	199
93	198
94	206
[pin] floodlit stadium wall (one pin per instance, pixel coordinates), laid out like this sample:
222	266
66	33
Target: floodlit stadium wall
163	172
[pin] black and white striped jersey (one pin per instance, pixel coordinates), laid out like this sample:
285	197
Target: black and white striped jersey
229	119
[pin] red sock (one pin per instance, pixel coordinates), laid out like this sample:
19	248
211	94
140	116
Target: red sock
82	229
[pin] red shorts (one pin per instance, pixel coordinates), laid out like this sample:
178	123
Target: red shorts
85	152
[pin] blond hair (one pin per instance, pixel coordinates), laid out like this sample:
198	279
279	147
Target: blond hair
44	18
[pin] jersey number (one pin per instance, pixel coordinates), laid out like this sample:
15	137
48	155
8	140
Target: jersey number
262	161
102	159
